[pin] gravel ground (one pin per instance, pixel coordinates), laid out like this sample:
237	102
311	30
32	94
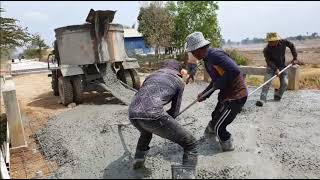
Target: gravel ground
279	140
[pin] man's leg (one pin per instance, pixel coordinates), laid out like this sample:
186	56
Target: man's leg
142	146
283	86
214	118
229	113
265	89
170	129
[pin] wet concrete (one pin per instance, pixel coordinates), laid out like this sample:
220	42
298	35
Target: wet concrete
279	140
113	84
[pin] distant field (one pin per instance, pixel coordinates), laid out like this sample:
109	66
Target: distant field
308	52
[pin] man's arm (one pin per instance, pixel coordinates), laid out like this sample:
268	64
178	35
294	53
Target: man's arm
267	58
176	102
292	48
210	86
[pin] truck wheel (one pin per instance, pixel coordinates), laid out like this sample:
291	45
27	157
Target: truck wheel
77	87
124	76
54	83
135	78
65	90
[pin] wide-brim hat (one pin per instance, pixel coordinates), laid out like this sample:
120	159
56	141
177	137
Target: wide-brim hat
272	36
196	41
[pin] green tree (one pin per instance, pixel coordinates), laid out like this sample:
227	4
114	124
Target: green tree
194	16
156	24
36	47
11	34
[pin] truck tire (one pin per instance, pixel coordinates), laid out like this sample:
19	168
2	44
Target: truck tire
65	90
135	78
54	83
124	76
77	87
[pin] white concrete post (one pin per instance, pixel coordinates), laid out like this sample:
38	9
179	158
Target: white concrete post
17	137
293	77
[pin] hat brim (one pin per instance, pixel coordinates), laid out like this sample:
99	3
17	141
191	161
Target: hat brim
274	39
198	46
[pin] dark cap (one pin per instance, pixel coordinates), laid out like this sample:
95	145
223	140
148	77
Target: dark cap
171	64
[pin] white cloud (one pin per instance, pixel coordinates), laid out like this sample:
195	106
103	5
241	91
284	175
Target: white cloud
37	17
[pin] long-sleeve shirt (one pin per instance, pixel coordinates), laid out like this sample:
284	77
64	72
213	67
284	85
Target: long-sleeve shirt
158	89
275	55
225	75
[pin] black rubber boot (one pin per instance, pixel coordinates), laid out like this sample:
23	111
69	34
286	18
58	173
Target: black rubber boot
139	159
260	103
277	98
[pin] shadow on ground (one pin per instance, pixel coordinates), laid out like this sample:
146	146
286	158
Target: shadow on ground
49	101
122	167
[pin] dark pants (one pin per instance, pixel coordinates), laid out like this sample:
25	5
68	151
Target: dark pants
223	115
168	128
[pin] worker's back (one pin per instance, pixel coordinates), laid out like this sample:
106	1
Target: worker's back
158	89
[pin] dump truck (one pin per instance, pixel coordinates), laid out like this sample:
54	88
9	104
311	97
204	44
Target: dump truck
92	57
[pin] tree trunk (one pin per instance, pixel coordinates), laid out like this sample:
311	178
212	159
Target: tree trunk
39	53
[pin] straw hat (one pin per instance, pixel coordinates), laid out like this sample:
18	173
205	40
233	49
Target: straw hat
273	36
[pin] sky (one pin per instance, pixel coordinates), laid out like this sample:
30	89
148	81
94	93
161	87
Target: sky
237	20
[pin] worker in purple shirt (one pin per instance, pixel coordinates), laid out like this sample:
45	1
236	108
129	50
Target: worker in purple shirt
225	76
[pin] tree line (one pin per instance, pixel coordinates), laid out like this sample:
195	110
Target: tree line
256	40
167	25
13	36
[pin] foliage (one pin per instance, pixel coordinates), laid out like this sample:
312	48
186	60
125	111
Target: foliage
11	34
191	16
237	57
156	25
36	48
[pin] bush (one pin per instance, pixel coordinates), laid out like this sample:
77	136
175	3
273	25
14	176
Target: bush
237	57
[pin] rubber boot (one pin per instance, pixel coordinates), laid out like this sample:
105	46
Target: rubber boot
227	145
276	96
183	172
260	103
210	131
139	159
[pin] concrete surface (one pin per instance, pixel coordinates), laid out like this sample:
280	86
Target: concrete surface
28	65
279	140
12	110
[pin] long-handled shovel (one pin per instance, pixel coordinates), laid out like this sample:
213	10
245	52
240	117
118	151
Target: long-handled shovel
211	90
270	79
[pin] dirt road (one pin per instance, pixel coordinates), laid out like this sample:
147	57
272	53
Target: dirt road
279	140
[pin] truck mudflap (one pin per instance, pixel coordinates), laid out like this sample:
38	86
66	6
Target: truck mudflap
69	70
130	64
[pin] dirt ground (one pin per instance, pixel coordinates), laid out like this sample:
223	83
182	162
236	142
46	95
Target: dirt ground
308	52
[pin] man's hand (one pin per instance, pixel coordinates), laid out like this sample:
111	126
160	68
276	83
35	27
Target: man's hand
277	72
200	97
295	61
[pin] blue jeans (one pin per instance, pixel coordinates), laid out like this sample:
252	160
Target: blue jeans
283	84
